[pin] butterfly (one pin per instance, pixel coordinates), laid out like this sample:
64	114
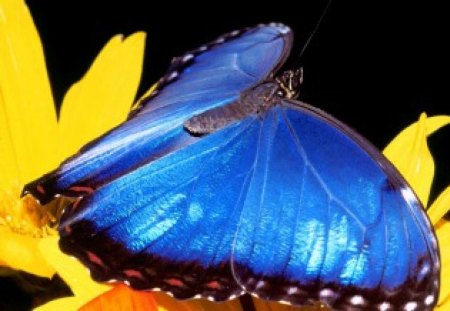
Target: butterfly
221	183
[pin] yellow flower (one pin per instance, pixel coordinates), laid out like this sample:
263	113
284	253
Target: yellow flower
409	153
33	141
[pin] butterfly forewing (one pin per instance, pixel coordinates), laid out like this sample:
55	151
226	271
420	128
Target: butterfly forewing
328	218
171	227
210	76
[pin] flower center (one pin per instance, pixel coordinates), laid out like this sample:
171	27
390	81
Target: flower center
24	215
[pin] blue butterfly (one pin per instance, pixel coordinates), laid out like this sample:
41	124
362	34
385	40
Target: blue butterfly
221	183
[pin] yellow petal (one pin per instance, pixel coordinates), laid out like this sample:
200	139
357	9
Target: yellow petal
27	114
146	94
443	305
66	304
440	206
443	234
21	252
409	153
103	97
149	91
71	271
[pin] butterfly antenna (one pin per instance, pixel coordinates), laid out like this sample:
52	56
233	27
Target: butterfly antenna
319	22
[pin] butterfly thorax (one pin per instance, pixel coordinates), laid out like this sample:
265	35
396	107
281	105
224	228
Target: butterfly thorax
289	83
255	101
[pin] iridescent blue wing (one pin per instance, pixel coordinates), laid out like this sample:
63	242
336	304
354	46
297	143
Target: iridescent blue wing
211	76
293	206
326	217
169	224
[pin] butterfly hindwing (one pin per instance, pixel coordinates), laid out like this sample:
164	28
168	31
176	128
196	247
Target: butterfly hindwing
213	75
328	218
298	223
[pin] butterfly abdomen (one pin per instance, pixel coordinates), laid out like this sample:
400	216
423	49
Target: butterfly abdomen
255	101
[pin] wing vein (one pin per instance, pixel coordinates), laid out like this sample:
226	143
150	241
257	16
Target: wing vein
322	183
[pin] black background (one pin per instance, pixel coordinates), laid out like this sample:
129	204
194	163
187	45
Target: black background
376	65
373	65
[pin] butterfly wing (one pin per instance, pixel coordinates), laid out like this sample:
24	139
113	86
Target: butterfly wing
303	208
169	224
326	217
213	75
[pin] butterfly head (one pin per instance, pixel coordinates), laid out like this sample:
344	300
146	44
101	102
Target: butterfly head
289	83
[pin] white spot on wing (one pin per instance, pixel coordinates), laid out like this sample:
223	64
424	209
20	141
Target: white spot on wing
281	27
357	300
254	295
172	75
284	29
385	306
187	57
429	300
260	284
326	293
410	306
408	195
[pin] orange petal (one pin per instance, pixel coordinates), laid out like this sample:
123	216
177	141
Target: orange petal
166	303
262	305
66	303
120	298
